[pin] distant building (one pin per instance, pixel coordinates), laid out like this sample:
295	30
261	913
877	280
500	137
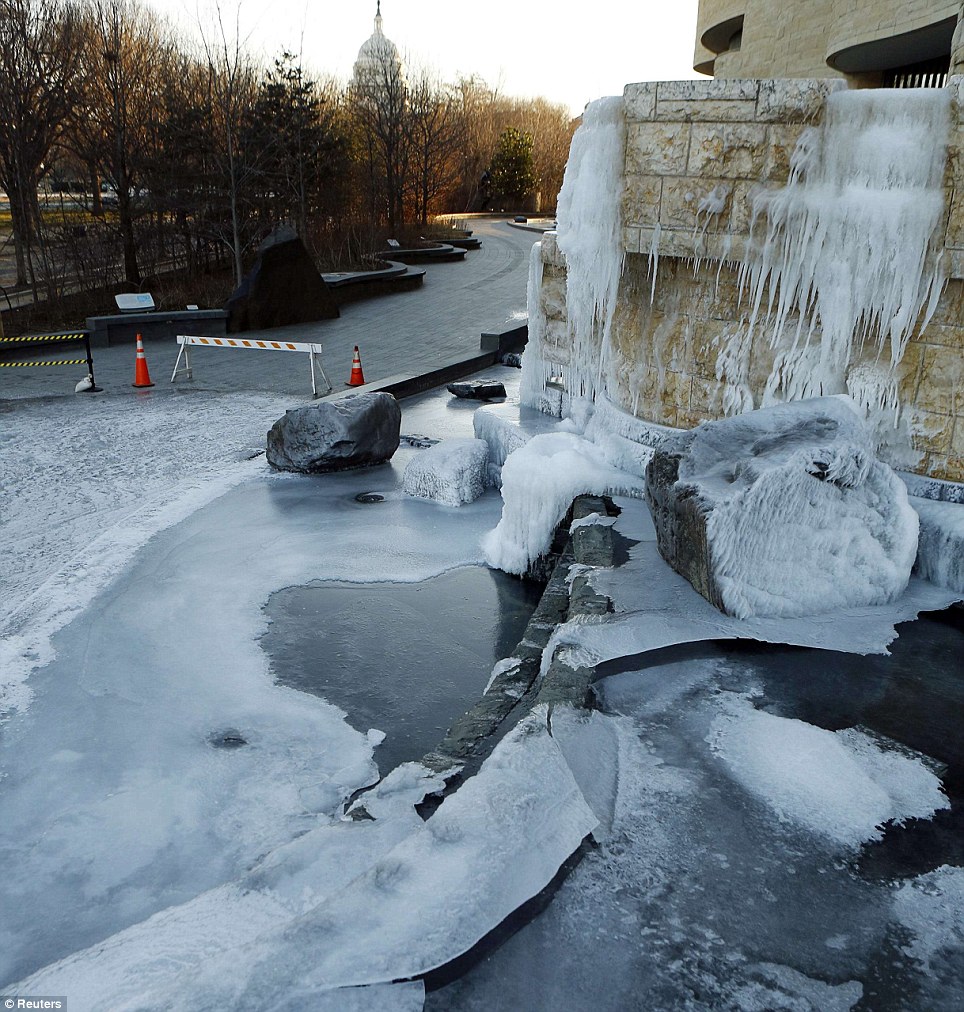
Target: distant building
897	43
379	65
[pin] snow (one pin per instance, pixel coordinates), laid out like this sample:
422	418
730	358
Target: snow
590	237
849	250
840	784
940	548
801	518
452	472
539	482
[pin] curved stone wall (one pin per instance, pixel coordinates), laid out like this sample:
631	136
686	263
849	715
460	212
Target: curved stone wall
822	37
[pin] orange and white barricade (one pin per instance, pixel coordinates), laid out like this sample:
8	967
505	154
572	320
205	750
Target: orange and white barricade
186	341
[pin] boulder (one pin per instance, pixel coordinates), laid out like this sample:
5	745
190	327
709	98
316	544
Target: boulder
282	287
783	511
451	472
358	431
478	390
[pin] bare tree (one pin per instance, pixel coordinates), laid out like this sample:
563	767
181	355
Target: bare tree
232	84
435	135
39	58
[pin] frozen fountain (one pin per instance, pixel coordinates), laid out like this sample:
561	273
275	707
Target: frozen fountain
772	240
728	246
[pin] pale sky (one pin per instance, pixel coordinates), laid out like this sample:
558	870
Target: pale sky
569	51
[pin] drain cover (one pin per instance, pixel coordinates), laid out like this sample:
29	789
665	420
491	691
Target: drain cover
367	497
227	739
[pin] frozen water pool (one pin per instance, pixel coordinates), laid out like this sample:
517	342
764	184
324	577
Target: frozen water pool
404	658
114	803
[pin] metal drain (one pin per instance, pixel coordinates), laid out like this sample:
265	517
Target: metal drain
369	497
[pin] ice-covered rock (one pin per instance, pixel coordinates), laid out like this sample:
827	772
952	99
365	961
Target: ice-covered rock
783	511
940	550
539	482
334	435
452	472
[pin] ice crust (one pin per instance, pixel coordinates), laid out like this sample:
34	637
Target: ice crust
931	906
840	784
452	472
848	261
539	482
802	517
590	237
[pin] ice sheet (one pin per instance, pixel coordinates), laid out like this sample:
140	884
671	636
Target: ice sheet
118	746
490	846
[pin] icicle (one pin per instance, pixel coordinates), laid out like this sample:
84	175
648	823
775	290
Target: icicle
654	262
590	237
849	245
536	371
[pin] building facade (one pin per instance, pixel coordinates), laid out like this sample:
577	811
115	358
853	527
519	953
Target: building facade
869	42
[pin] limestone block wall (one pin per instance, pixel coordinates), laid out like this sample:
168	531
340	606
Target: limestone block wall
695	154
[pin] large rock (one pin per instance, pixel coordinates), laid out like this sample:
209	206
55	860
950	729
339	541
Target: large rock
783	511
452	472
282	287
334	435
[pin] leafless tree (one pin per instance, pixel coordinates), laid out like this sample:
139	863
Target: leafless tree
39	58
435	135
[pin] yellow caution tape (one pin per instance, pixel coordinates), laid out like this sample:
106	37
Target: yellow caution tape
45	337
28	365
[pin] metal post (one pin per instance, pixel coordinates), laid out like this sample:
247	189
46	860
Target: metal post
93	388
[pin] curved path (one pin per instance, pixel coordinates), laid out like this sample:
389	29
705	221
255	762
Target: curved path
405	332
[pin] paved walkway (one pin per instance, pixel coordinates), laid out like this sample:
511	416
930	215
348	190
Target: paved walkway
405	332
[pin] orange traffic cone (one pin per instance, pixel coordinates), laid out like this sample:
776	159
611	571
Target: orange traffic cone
142	378
357	376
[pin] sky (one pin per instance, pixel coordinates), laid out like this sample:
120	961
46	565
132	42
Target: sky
554	49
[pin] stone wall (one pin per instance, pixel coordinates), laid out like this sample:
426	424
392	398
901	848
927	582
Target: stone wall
695	153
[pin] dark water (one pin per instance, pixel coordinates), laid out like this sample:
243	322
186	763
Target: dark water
404	658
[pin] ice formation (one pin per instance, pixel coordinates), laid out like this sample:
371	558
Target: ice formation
849	249
654	607
840	784
536	372
540	480
590	237
800	517
940	549
452	472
